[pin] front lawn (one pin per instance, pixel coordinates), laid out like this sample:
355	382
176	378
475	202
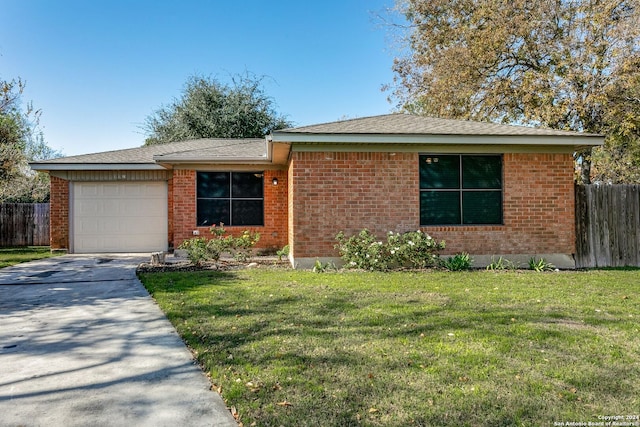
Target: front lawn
16	255
296	348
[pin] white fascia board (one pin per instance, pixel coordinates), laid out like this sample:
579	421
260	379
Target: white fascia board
94	166
569	140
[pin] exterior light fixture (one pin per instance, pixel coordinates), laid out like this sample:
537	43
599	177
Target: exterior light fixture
275	181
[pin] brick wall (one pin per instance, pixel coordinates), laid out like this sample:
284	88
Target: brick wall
539	211
59	221
183	213
330	192
334	192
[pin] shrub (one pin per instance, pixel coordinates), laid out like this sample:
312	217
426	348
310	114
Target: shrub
540	265
413	249
320	267
240	247
200	249
458	262
501	264
282	252
363	251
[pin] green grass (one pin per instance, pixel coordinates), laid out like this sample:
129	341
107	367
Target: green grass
479	348
12	256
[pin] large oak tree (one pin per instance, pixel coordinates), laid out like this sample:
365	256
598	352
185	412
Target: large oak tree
561	64
209	108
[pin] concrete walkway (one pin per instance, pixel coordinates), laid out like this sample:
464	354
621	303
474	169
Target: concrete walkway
82	343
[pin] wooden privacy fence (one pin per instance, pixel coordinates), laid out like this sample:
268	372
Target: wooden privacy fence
24	224
607	225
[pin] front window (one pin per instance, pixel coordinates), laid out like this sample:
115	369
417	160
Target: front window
460	189
231	198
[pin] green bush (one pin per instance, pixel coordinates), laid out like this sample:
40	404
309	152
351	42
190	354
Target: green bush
200	249
284	252
458	262
501	264
363	251
540	265
413	249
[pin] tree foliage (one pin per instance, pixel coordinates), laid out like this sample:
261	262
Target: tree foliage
563	64
211	109
21	141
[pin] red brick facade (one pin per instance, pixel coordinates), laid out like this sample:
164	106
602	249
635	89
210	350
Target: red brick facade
333	192
323	193
59	220
183	219
538	208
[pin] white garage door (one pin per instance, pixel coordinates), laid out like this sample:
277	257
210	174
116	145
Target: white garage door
119	217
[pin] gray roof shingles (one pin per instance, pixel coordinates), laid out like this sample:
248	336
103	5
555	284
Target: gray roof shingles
411	124
254	148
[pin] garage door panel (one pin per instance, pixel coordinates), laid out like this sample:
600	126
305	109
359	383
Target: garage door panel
120	217
87	190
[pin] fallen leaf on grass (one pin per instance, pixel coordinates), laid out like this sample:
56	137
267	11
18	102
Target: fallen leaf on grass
372	410
284	403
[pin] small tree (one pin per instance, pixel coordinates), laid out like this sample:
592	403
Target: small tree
21	141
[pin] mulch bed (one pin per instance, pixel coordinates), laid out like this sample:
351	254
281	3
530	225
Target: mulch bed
221	265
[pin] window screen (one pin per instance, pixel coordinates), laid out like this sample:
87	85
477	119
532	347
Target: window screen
460	189
231	198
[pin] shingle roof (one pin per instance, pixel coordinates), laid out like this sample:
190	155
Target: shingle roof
198	149
411	124
390	128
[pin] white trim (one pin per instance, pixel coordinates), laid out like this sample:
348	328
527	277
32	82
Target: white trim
71	236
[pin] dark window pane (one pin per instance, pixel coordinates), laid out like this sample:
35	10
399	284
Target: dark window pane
213	212
246	185
213	184
439	207
482	207
439	171
481	172
247	212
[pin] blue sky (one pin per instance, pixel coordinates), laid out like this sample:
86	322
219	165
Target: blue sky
98	68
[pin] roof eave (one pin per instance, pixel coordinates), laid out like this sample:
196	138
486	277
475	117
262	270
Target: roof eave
43	166
318	138
169	160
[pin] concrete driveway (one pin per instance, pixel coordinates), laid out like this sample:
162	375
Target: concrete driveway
82	343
